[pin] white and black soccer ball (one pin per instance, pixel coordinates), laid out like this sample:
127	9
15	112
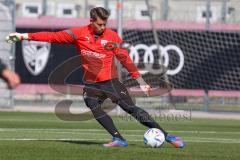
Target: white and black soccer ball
154	137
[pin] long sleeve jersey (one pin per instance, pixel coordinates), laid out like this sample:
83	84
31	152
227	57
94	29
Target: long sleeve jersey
97	62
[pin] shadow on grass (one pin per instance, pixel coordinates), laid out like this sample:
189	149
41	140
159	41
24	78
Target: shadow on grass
100	143
82	142
94	143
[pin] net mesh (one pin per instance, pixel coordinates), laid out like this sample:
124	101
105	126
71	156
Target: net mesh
211	59
194	58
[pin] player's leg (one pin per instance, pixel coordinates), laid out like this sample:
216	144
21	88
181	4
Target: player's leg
93	99
138	113
118	93
125	102
144	118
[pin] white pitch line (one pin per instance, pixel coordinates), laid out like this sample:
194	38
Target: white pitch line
93	132
140	135
101	130
213	139
77	133
51	139
128	135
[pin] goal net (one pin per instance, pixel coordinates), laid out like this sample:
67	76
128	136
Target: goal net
195	58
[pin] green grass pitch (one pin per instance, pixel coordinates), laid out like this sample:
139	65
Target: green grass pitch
42	136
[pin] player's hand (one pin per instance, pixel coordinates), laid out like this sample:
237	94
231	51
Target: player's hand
146	89
144	86
11	78
15	37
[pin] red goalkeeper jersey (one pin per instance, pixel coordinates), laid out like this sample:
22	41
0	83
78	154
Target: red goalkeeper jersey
97	62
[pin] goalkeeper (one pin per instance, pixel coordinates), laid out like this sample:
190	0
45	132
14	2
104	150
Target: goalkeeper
100	73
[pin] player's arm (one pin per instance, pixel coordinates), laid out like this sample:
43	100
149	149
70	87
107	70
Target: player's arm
9	76
65	37
124	58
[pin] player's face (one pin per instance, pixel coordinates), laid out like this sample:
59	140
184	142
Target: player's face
98	25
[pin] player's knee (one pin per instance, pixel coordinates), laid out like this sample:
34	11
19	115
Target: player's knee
136	112
91	102
126	107
139	113
133	110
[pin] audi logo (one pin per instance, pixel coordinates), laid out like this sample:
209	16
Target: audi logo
148	58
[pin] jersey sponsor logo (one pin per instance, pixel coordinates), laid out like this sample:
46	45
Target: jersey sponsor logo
149	60
92	54
35	56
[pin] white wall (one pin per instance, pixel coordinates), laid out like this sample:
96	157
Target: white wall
179	10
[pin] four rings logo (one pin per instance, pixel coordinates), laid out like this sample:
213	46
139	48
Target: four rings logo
148	58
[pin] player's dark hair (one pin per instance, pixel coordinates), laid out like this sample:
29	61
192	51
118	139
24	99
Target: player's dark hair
100	12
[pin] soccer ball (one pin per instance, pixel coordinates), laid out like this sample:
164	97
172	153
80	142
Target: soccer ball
154	138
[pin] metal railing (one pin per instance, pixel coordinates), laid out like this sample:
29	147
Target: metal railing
205	11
